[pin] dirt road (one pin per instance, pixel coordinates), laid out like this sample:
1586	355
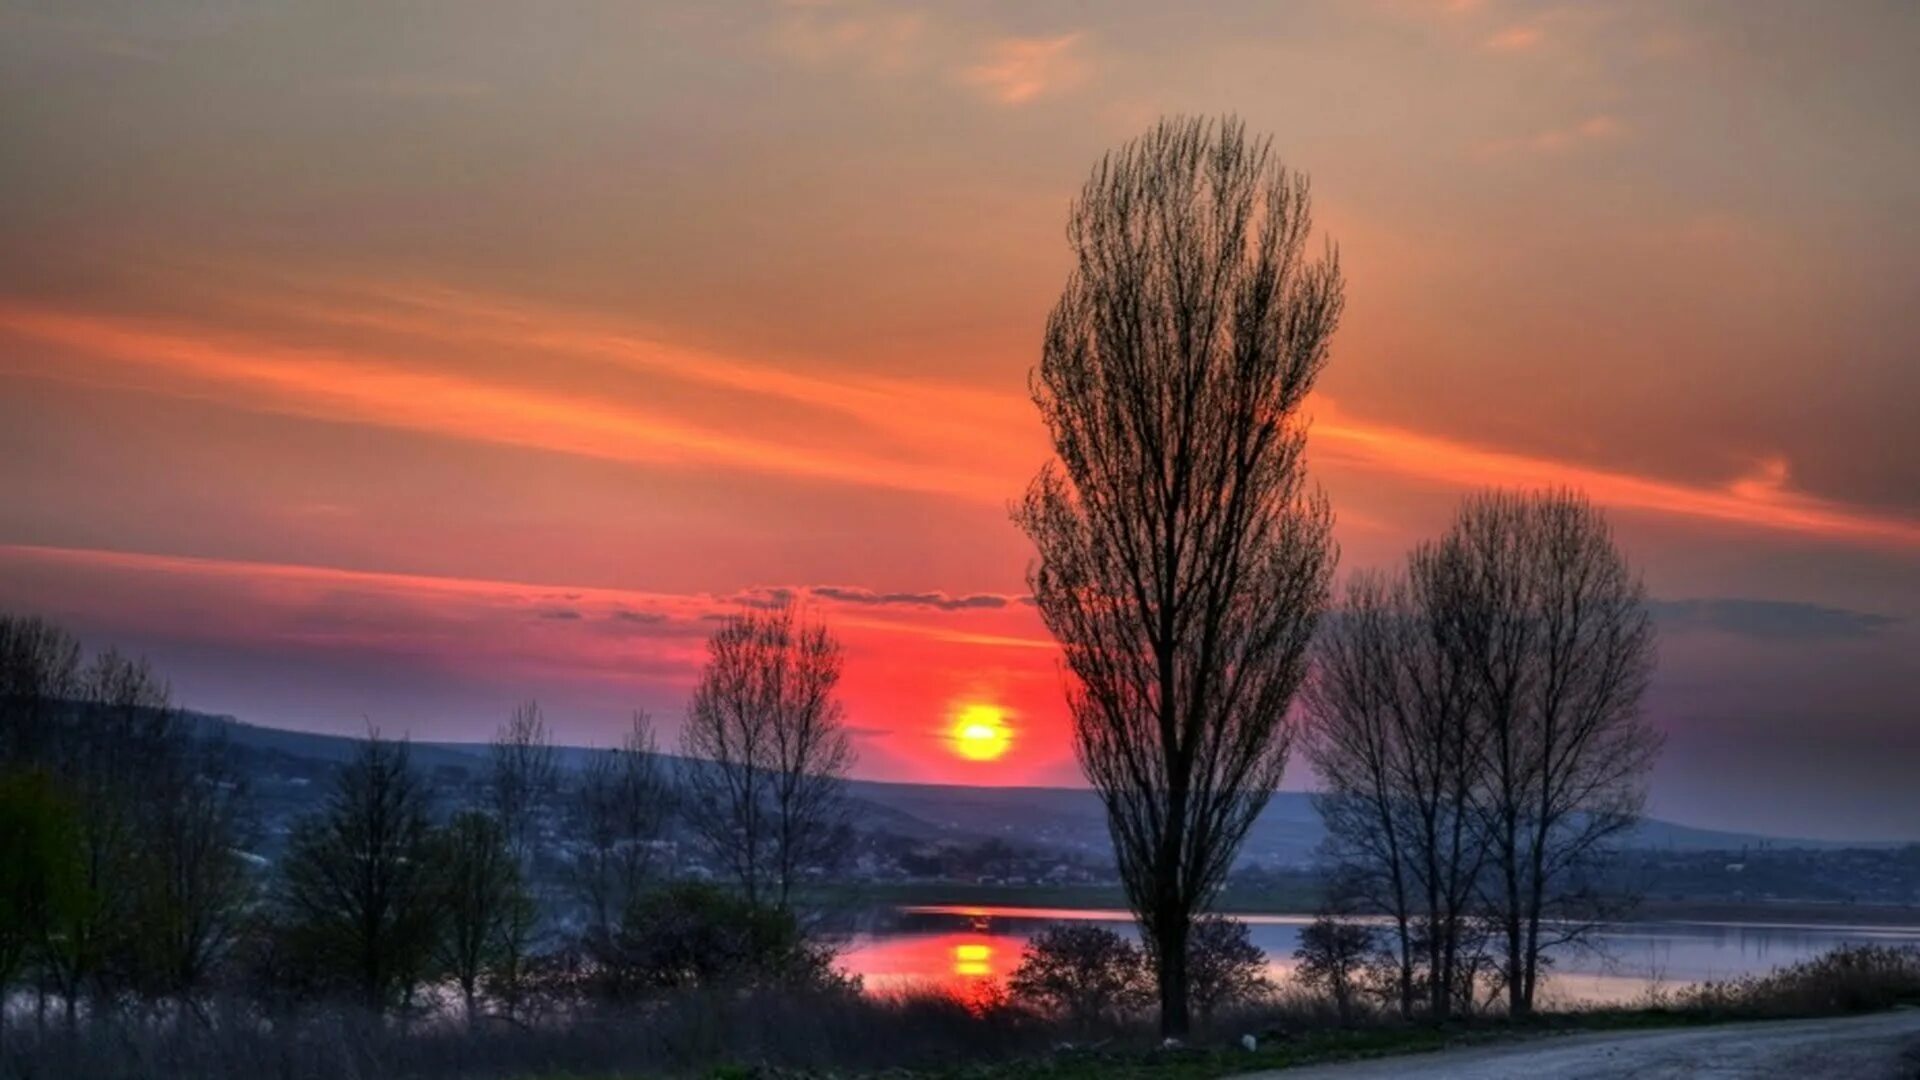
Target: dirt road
1883	1046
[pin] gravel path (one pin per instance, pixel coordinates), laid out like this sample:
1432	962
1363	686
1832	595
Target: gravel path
1883	1046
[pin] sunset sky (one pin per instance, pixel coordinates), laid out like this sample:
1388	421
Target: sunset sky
396	365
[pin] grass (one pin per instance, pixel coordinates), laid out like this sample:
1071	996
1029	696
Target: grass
1143	1062
901	1036
1306	1048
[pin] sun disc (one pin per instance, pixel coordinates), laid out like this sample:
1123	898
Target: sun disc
980	733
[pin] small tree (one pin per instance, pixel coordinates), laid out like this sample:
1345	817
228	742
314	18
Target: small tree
482	903
618	811
358	896
1224	966
1333	955
524	777
770	751
115	750
1087	973
39	677
195	887
40	880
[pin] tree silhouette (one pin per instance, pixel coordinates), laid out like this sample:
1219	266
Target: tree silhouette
1555	625
1182	563
769	750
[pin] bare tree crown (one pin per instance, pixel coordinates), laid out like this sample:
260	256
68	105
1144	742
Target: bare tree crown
770	748
1182	561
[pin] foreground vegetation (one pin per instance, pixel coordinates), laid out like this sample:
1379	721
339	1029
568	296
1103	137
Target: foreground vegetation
839	1032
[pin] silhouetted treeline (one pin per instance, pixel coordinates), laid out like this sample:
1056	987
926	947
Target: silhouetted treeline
126	879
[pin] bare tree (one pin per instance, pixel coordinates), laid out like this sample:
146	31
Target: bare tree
770	750
525	777
359	901
1394	737
39	675
482	902
110	747
619	810
1560	647
1182	563
40	882
195	886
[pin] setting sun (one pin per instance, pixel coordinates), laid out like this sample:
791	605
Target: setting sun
980	733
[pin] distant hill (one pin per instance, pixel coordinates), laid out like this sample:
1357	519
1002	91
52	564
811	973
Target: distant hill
1286	833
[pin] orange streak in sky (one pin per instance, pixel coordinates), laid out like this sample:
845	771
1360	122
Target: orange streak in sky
919	409
1759	500
943	423
326	385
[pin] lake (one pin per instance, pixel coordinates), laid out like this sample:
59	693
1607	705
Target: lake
967	950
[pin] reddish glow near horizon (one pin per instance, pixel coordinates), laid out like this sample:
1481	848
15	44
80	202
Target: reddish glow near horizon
980	733
410	391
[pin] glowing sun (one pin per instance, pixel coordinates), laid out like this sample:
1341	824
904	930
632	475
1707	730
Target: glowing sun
980	732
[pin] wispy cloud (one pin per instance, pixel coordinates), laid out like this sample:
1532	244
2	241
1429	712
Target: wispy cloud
869	38
924	410
848	594
1742	501
320	606
332	385
1596	129
1778	620
1514	39
1016	71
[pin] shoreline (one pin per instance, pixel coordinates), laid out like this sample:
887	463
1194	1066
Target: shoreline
1302	903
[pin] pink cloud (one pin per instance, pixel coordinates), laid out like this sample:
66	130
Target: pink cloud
1019	70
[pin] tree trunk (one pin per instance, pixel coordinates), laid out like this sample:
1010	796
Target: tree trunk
1517	1001
1170	950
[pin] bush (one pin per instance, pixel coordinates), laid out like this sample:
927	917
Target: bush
690	936
1334	954
1224	967
1850	978
1089	974
692	1032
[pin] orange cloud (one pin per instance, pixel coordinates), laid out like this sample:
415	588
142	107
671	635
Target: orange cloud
1516	39
962	418
1760	500
1594	129
327	385
881	42
1018	70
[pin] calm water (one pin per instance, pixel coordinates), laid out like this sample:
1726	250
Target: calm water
967	949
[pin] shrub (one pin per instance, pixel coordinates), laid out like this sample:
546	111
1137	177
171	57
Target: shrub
689	936
1089	974
1850	978
1224	966
1333	954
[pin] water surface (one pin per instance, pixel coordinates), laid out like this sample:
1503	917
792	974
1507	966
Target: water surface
967	951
